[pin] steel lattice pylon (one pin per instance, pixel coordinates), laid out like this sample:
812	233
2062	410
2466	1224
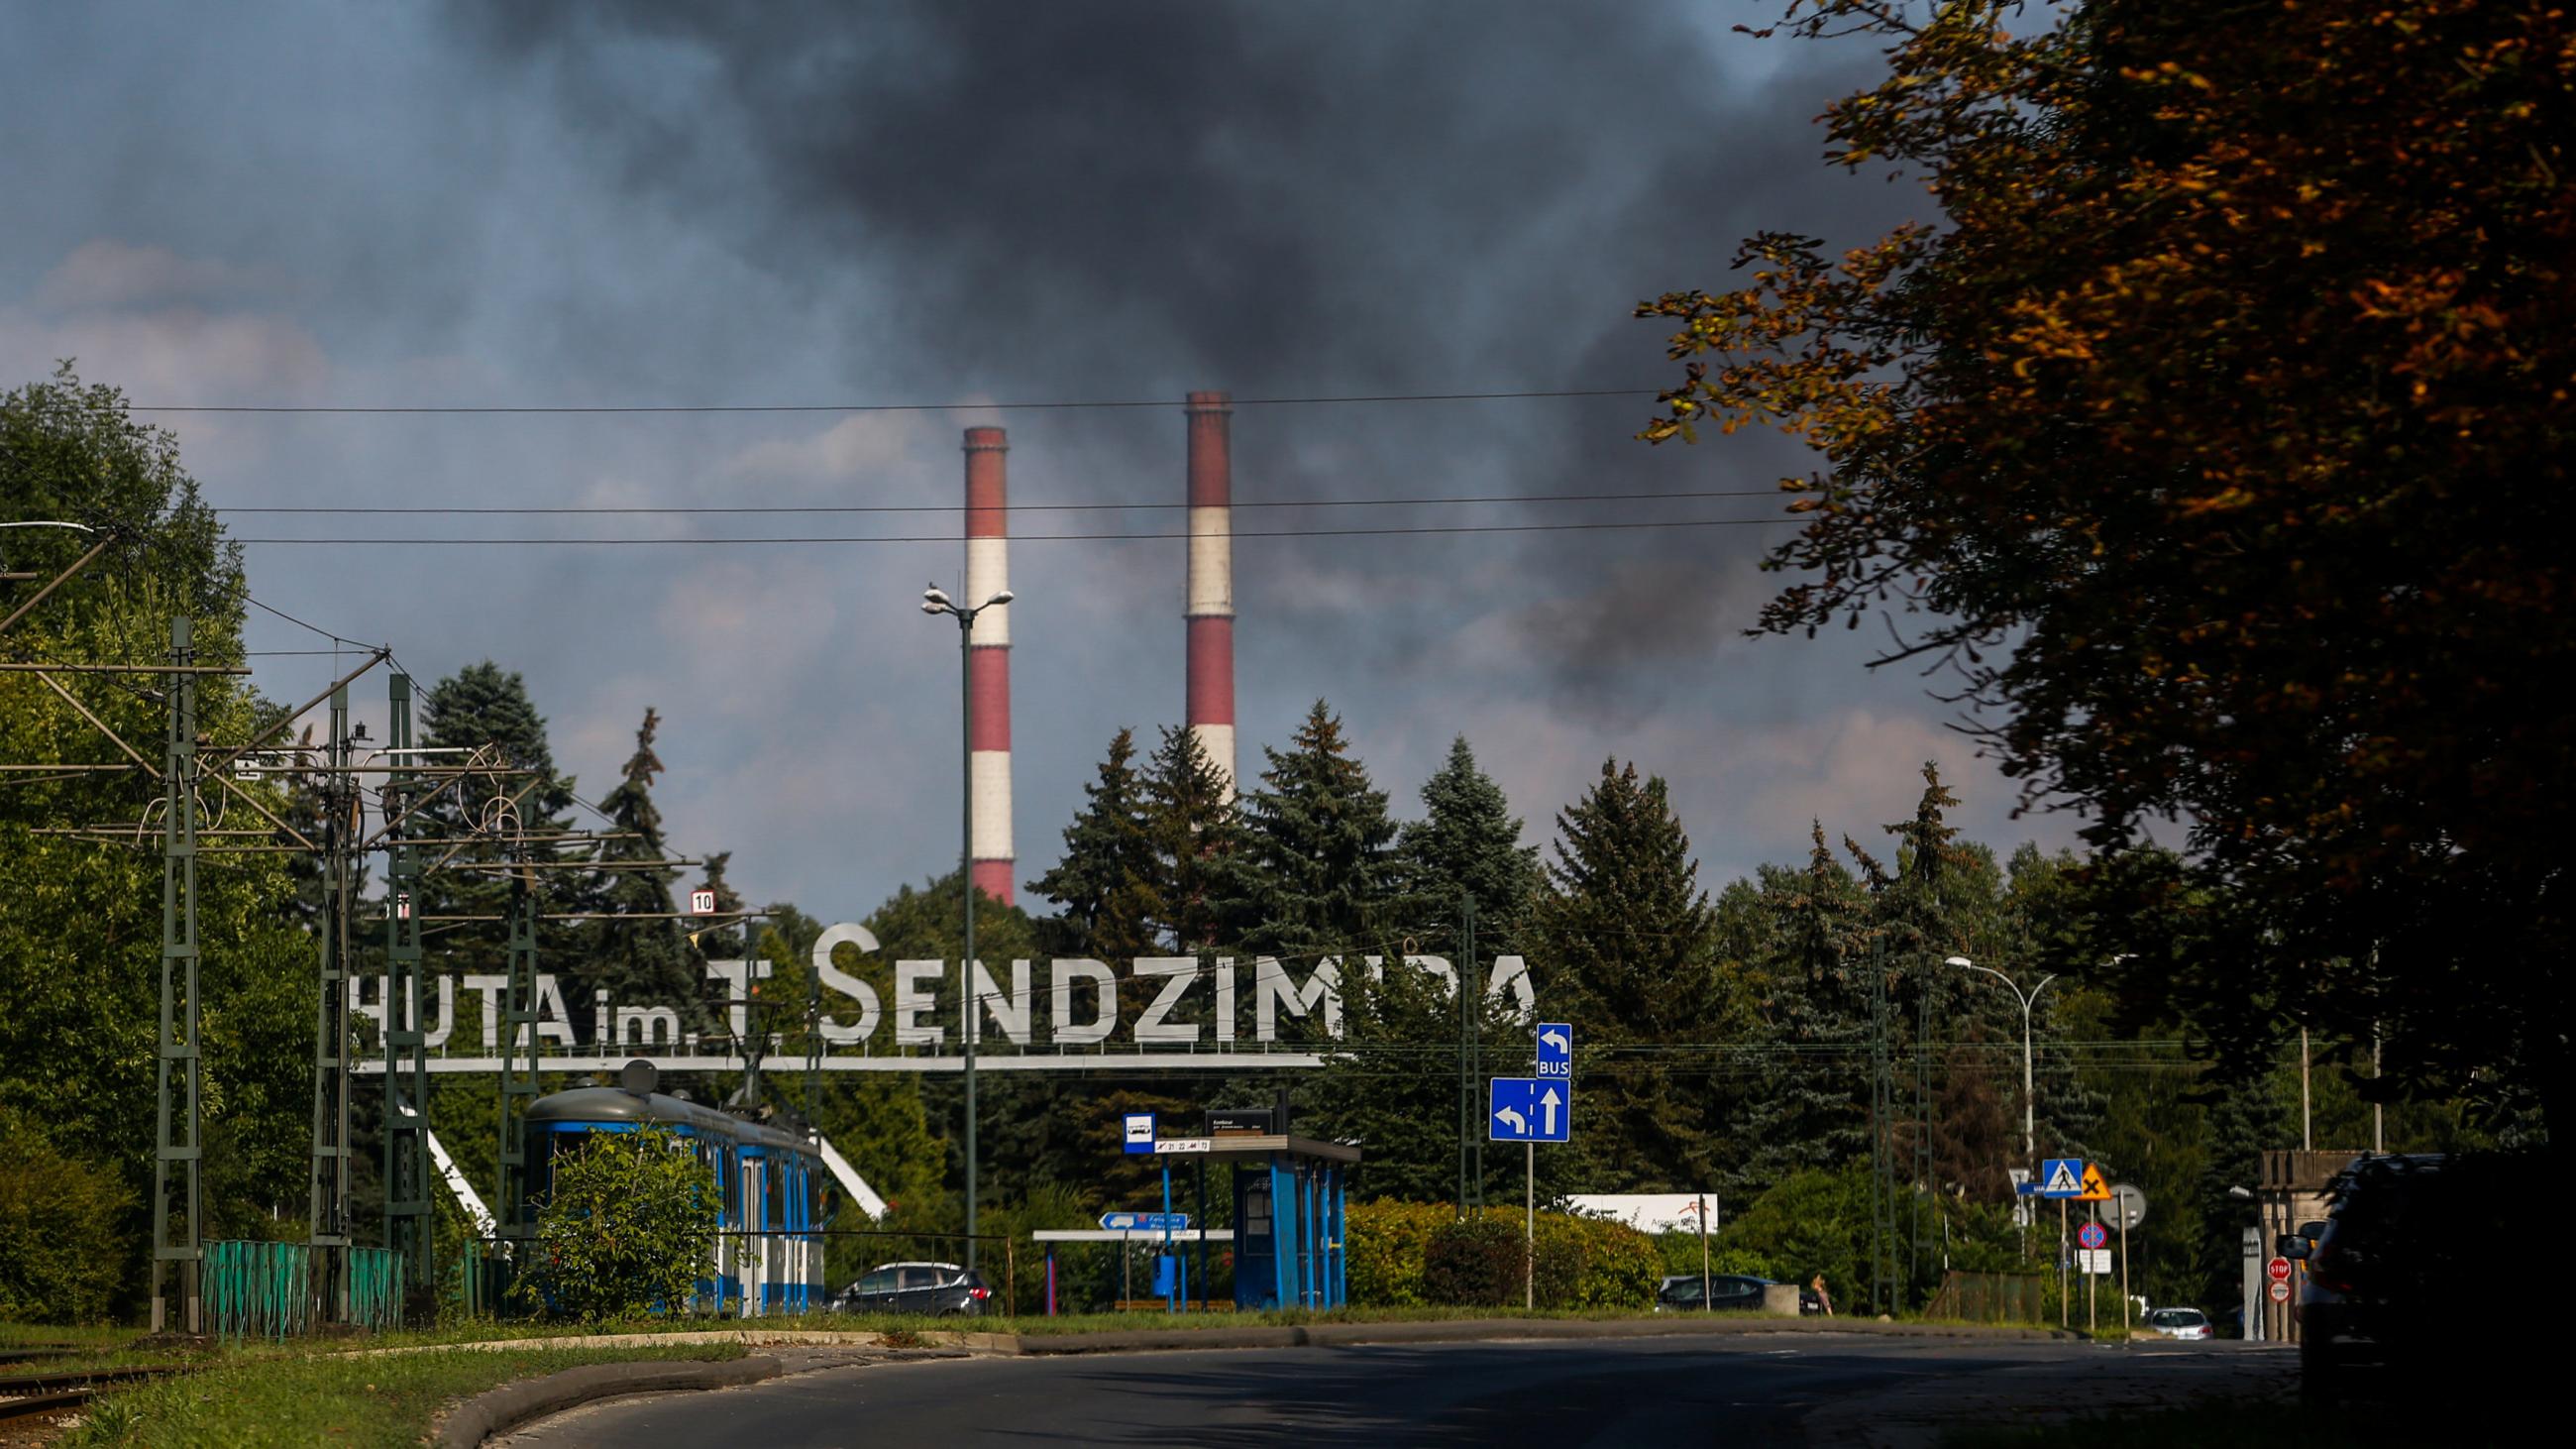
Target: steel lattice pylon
518	1055
329	1197
409	1219
178	1045
1883	1286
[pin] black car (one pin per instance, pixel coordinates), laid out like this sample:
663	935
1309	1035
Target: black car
1726	1291
2392	1306
942	1289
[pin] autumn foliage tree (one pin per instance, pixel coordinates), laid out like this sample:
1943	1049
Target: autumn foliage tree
2213	431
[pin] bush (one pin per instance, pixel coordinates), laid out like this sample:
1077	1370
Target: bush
1473	1262
1616	1268
61	1256
628	1228
1579	1262
1387	1246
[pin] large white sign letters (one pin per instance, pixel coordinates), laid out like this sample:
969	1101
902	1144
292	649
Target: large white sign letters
1184	1002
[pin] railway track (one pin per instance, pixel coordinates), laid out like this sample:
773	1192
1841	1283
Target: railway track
35	1396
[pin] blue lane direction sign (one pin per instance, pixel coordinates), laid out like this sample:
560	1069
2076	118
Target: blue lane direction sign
1529	1109
2061	1177
1145	1222
1140	1133
1556	1049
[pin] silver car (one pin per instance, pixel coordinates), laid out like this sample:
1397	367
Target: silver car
2179	1323
941	1289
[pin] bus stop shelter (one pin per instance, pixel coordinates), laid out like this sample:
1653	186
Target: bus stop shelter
1290	1219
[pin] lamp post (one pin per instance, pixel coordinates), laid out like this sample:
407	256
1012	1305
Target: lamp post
2029	1118
934	601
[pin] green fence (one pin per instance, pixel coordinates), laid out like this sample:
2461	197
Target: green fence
375	1288
1992	1298
269	1290
258	1290
483	1282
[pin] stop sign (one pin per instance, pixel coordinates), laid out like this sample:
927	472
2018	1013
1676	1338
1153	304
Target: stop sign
2278	1270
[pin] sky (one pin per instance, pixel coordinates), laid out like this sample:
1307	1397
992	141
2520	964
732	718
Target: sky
968	205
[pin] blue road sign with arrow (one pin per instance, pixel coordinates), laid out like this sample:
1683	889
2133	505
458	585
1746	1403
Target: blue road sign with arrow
1555	1049
1145	1222
1529	1109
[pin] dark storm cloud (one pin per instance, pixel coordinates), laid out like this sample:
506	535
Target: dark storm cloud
1252	190
1051	201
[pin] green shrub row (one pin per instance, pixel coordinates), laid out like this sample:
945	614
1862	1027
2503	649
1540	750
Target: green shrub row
1411	1255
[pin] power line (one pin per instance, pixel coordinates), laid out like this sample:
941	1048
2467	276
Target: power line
629	409
299	623
659	509
1062	537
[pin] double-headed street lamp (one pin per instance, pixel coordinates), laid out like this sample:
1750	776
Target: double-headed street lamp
2029	1119
935	601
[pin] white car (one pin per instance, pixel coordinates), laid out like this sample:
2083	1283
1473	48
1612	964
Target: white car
2180	1323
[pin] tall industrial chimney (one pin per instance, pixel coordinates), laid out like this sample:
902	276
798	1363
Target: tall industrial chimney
988	572
1210	605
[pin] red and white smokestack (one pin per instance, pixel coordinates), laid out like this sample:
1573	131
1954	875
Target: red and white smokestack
1210	606
988	665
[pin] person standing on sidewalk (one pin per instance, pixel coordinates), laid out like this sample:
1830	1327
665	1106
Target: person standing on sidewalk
1824	1299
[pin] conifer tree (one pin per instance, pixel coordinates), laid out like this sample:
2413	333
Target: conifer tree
483	705
1797	937
1468	844
1318	875
1193	832
1627	942
1396	1087
1105	880
645	961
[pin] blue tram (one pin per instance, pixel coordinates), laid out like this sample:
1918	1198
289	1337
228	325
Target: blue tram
768	1253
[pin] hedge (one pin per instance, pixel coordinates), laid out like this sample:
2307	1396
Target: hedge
1424	1254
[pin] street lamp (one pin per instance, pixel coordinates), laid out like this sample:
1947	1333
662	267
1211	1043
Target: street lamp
2029	1130
935	601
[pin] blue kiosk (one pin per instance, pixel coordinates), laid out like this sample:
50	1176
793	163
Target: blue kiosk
1290	1220
1290	1209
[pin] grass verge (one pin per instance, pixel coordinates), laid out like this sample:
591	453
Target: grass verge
309	1396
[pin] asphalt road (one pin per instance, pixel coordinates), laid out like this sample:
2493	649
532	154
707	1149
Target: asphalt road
1659	1391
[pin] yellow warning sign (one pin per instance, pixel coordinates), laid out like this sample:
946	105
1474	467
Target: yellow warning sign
2096	1188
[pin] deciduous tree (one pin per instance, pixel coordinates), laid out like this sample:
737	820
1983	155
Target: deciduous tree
2213	431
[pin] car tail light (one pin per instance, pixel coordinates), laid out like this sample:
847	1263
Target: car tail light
979	1294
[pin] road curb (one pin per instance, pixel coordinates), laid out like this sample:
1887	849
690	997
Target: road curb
512	1405
1473	1330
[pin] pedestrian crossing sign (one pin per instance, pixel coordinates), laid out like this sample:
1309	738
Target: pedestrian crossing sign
2062	1177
